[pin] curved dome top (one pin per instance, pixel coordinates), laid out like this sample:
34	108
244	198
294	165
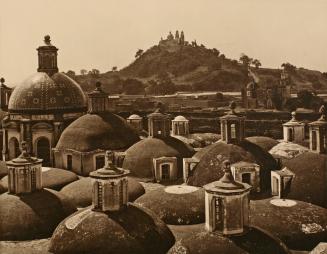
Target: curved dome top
104	131
309	183
210	162
300	225
42	93
139	157
265	143
32	216
134	117
180	118
169	204
131	230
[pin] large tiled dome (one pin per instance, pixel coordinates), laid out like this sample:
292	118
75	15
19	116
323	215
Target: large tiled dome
42	93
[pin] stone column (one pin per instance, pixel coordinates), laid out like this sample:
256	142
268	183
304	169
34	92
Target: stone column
57	131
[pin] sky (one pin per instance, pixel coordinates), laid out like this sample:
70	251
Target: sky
101	34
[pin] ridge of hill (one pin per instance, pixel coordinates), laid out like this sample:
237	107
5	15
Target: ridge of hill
172	66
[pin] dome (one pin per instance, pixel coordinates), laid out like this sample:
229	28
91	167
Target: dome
265	143
309	183
52	178
169	204
81	191
287	150
91	132
32	216
139	157
199	241
132	230
300	225
211	157
134	117
180	119
41	93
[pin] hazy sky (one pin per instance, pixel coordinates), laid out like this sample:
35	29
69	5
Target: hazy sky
105	33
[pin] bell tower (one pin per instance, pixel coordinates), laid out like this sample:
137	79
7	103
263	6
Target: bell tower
47	57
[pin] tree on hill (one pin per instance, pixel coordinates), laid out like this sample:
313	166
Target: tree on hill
324	74
114	68
71	73
83	72
245	60
289	67
133	86
215	52
256	63
138	53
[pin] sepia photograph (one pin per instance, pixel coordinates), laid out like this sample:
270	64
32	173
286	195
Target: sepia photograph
163	127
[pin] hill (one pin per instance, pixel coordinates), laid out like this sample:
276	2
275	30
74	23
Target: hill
173	66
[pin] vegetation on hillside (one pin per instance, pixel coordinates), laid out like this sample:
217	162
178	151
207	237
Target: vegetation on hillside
167	68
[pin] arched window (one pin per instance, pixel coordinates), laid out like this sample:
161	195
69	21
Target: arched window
43	150
99	162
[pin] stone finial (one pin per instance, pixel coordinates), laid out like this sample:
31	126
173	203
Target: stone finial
232	106
47	40
322	111
293	114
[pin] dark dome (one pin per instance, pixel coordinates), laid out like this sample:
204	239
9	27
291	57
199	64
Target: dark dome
309	183
81	191
33	215
132	230
209	170
177	204
300	225
104	131
52	178
41	93
139	157
255	241
265	143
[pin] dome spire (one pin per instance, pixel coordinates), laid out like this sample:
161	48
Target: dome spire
98	100
24	172
47	57
110	186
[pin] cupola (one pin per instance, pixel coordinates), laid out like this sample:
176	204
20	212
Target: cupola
136	122
293	130
97	100
232	126
227	204
318	133
158	124
180	126
110	186
47	57
24	173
